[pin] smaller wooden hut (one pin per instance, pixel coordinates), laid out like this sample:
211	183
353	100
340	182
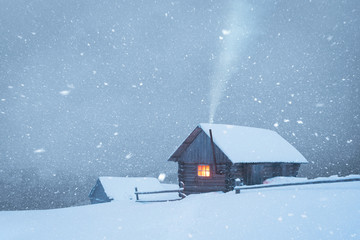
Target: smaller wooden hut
214	155
108	189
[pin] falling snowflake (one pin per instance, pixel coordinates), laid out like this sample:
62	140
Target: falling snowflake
40	150
65	92
162	177
226	32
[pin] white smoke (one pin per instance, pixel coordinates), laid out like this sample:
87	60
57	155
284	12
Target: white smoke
233	38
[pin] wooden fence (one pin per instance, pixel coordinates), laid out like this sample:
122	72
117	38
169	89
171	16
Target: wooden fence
182	195
238	188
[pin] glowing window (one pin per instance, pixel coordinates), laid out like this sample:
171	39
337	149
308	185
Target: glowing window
204	170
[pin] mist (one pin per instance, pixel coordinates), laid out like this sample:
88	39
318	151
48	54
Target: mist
238	25
96	88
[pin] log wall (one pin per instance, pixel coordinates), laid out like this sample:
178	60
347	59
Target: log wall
257	173
187	173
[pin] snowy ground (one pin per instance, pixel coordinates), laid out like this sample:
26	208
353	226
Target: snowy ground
324	211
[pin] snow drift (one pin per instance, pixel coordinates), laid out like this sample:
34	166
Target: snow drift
323	211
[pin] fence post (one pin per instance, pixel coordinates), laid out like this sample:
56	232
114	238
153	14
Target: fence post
237	185
136	193
181	192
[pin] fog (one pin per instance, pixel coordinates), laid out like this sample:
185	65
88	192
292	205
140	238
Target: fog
111	88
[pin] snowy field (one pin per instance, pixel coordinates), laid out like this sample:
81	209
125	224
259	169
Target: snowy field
323	211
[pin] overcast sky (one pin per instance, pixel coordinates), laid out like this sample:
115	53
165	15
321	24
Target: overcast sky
113	87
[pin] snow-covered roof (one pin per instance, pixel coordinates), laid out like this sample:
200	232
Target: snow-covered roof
245	144
252	145
123	188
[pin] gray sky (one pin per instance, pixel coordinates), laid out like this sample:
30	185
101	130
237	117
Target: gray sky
113	87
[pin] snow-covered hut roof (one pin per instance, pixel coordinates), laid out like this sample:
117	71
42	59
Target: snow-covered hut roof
246	144
123	188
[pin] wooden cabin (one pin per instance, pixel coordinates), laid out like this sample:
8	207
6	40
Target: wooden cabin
214	155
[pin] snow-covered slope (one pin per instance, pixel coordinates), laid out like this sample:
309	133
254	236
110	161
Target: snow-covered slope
324	211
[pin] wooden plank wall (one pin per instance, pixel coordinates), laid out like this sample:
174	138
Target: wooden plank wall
98	194
200	152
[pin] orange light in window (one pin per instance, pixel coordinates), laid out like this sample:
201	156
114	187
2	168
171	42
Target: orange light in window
204	170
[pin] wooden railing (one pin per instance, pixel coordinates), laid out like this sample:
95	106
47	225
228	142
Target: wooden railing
239	187
182	195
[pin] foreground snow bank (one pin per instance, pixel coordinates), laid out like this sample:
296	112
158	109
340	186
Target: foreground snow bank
323	211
